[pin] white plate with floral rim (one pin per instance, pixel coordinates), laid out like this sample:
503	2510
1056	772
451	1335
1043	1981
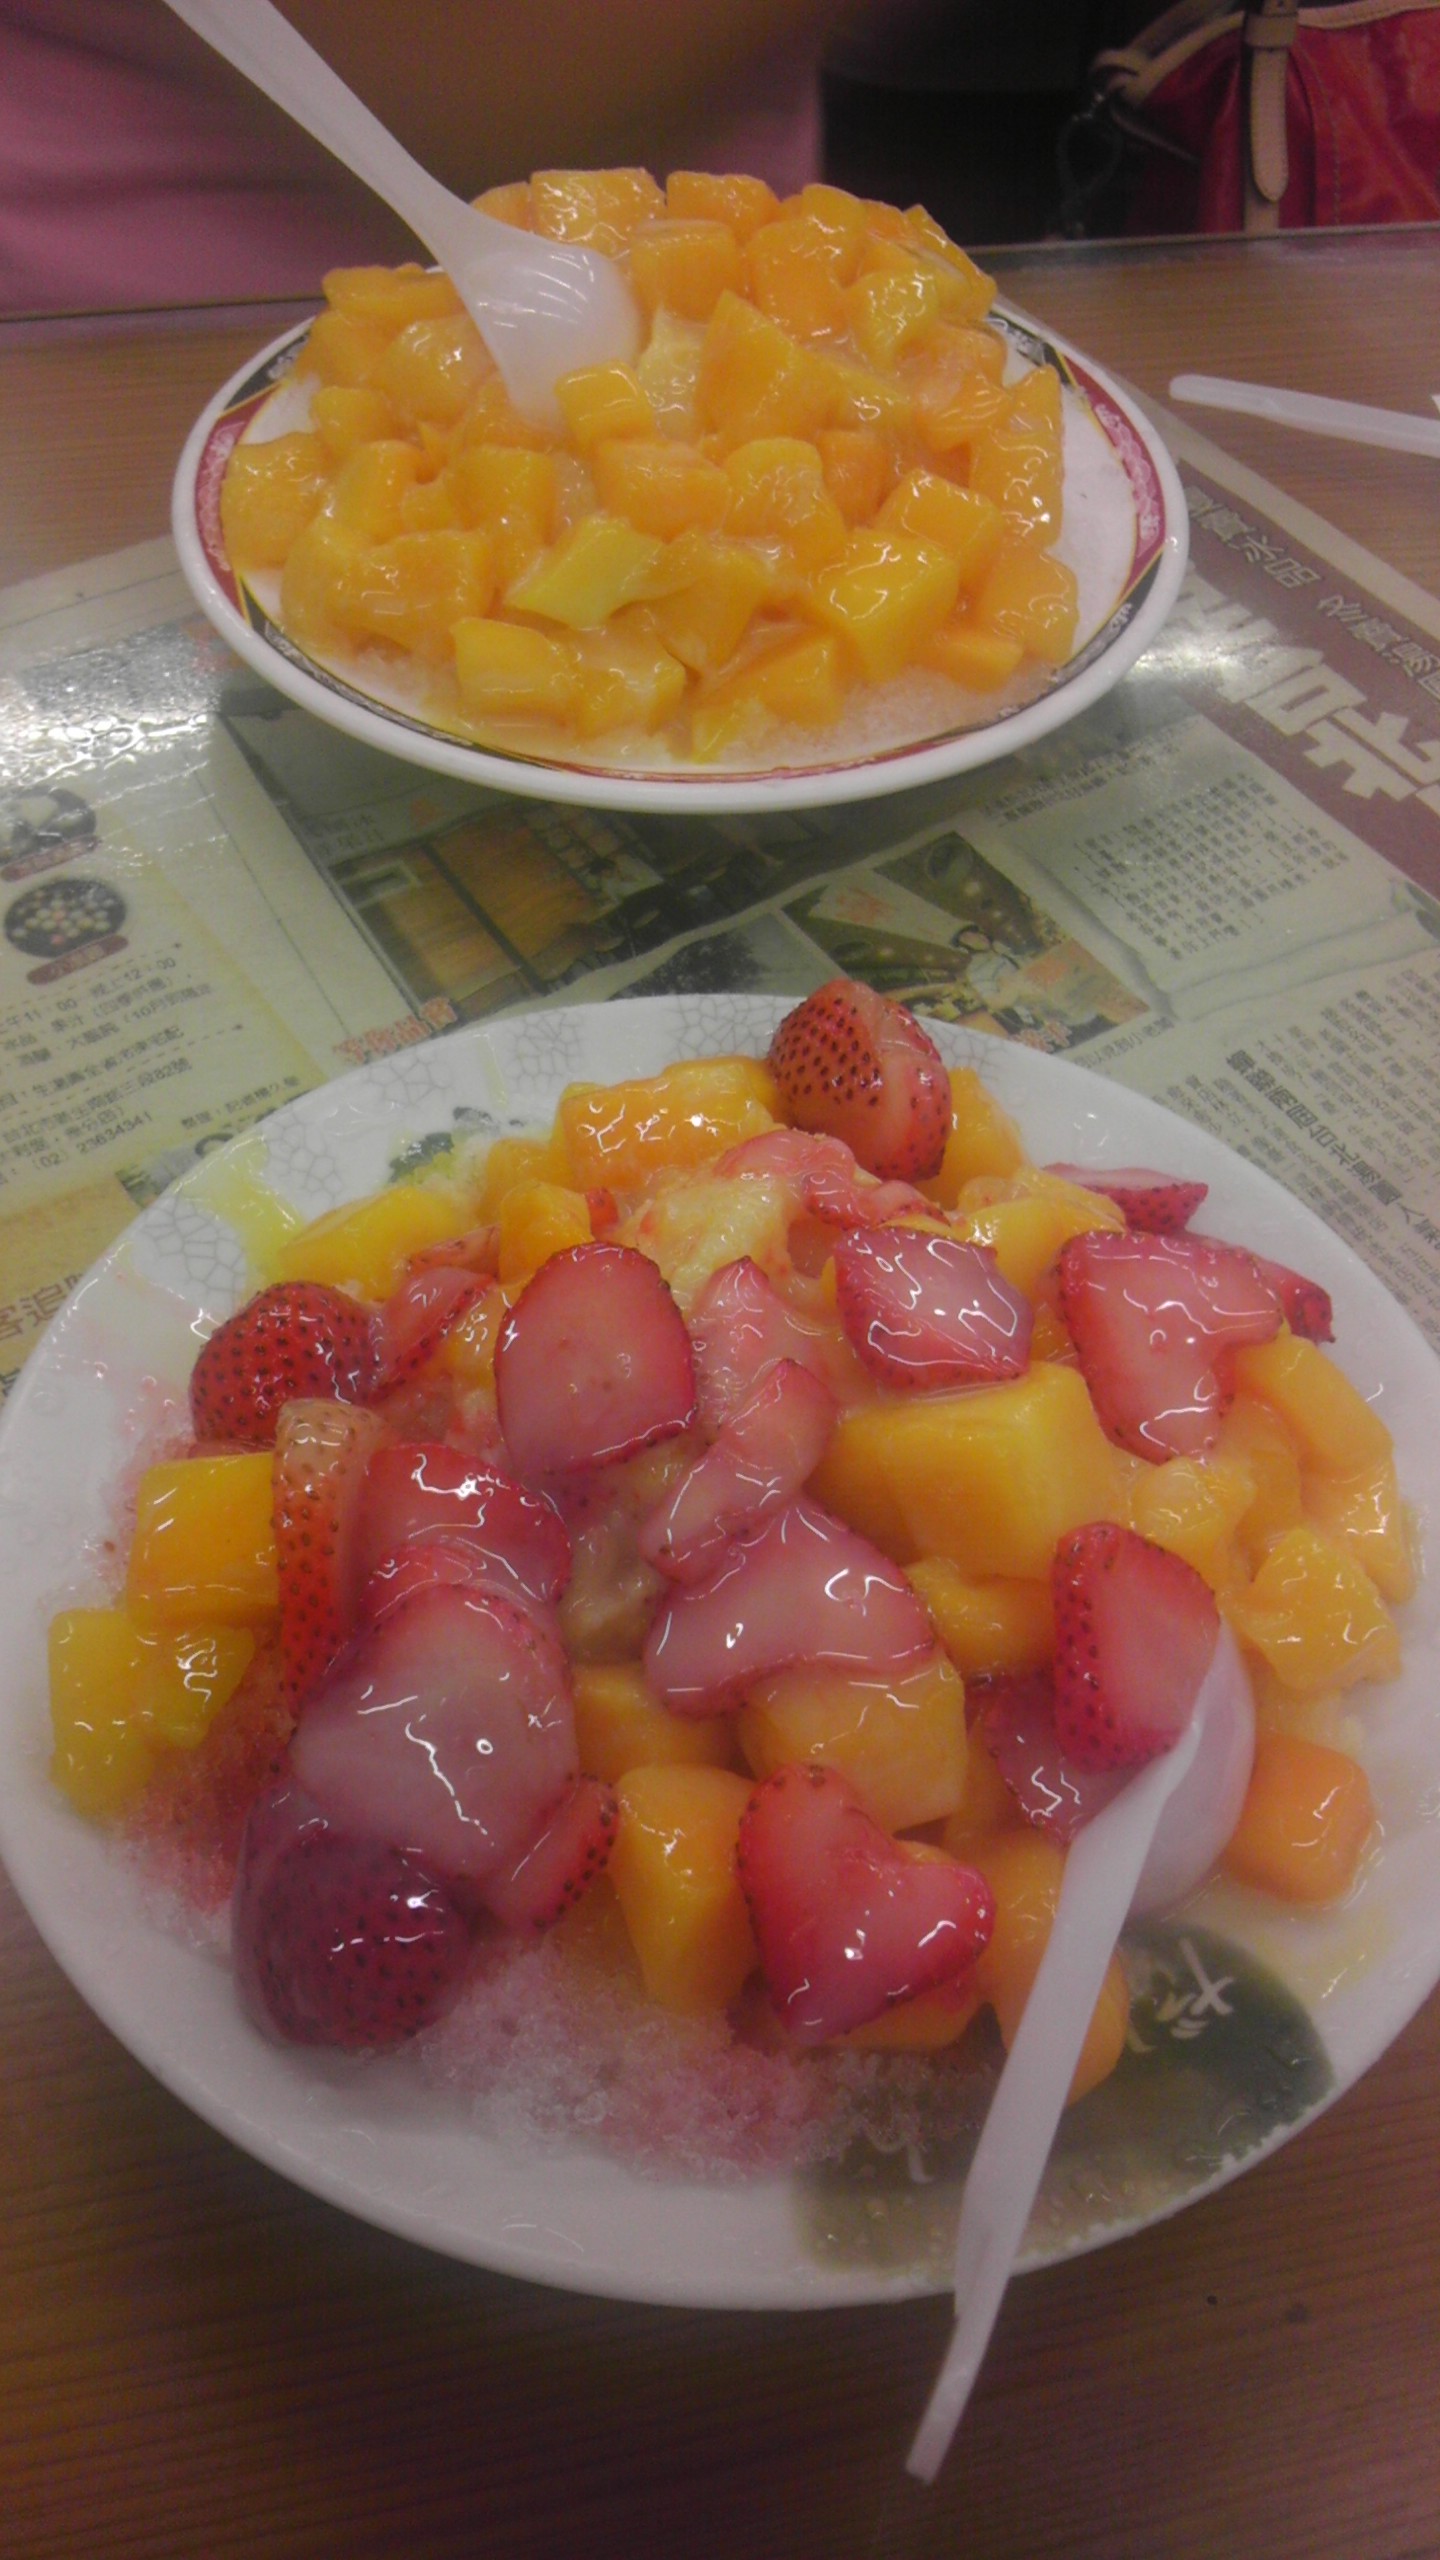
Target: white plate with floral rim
1249	2018
1126	537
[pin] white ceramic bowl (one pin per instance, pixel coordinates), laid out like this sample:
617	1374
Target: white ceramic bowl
1125	535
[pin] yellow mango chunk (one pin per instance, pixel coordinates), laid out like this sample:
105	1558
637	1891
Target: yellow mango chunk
777	492
346	351
513	493
621	1134
364	1245
1196	1511
956	384
103	1753
467	1353
596	208
370	488
600	565
1316	1616
521	1160
1026	1230
960	522
925	2024
795	268
901	1743
673	1871
1018	460
603	400
505	671
269	494
978	289
411	591
391	297
859	467
985	1807
344	416
621	1725
696	1225
1307	1817
717	586
685	265
187	1674
983	1139
1333	1426
799	679
867	401
1030	596
741	203
884	596
538	1219
1023	1870
316	581
989	1626
990	1478
659	484
510	203
1251	1436
624	679
980	660
1364	1514
892	308
432	368
755	381
204	1546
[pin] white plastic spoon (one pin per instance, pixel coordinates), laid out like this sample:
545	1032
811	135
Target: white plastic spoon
1352	420
1103	1875
542	307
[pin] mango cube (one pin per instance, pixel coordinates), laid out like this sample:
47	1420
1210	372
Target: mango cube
988	1626
431	369
892	308
800	679
796	276
960	522
391	297
980	660
412	591
513	493
370	487
660	484
719	585
1364	1514
505	671
269	495
344	416
103	1754
1316	1616
990	1478
619	1134
685	265
1023	1870
600	565
538	1219
673	1871
755	381
741	203
1307	1817
1018	460
1030	596
624	679
596	208
884	596
204	1547
1197	1512
901	1742
603	400
1332	1425
621	1725
777	491
365	1245
859	467
983	1139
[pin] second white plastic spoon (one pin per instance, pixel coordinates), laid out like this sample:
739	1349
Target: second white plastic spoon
542	307
1103	1870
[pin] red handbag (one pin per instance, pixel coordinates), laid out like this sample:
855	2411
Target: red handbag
1270	117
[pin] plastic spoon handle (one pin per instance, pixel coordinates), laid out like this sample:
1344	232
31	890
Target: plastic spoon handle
262	44
1102	1870
1350	419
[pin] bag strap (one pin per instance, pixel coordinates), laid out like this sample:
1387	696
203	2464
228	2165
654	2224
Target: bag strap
1266	37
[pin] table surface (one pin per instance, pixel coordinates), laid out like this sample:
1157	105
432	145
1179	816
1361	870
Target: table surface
198	2360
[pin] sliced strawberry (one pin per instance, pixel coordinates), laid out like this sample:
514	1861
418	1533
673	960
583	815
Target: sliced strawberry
739	1327
299	1339
824	1178
1307	1306
1016	1715
848	1920
417	1490
419	1566
1135	1631
448	1728
559	1865
593	1362
1158	1203
804	1588
410	1327
857	1066
339	1941
1154	1320
322	1452
929	1311
762	1457
478	1250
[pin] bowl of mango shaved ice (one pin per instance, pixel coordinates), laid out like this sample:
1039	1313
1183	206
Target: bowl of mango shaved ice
621	1624
845	524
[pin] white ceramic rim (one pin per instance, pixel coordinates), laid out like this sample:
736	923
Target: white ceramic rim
1135	622
361	2135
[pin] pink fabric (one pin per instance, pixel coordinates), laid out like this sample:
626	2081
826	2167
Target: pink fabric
136	167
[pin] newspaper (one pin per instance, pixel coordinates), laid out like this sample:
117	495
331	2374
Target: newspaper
1221	886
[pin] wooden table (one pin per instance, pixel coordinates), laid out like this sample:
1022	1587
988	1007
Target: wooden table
197	2360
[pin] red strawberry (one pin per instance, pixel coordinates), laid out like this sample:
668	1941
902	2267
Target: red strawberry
804	1588
560	1863
478	1250
409	1329
739	1327
1307	1306
593	1362
929	1311
772	1442
297	1339
321	1454
1016	1715
848	1920
1153	1319
428	1489
857	1066
1135	1630
825	1179
446	1727
339	1941
1159	1203
415	1568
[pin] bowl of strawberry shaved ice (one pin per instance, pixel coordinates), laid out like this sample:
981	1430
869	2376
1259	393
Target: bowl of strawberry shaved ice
610	1639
